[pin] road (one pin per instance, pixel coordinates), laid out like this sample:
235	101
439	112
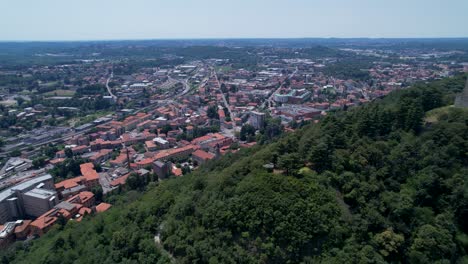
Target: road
270	99
226	131
75	134
224	97
184	82
159	245
108	88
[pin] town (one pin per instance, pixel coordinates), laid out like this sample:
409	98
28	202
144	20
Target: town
76	133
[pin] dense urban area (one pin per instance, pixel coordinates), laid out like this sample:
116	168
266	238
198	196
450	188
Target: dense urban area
234	151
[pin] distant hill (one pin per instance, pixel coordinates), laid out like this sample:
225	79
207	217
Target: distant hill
15	55
374	184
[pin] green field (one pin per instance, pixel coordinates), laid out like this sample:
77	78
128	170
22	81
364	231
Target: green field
78	121
49	84
441	113
60	92
223	69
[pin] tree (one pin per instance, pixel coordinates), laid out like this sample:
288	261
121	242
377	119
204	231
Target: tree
61	221
431	243
186	169
321	155
98	167
39	162
166	128
19	100
246	131
212	112
389	243
290	162
98	193
224	88
15	153
68	153
233	88
136	181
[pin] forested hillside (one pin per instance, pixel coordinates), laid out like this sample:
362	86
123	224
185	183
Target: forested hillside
386	182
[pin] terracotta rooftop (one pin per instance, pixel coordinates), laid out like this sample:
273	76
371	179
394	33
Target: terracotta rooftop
102	207
69	183
120	180
203	154
87	169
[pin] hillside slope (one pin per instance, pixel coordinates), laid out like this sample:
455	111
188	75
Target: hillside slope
374	184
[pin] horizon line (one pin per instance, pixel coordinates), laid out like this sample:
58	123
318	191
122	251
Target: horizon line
236	38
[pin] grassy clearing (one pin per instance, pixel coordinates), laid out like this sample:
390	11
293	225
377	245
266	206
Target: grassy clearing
60	92
78	121
223	69
441	113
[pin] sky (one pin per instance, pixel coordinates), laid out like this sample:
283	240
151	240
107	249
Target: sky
174	19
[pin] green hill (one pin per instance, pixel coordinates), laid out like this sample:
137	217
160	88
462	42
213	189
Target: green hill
374	184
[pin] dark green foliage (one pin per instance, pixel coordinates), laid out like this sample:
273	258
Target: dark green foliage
39	162
212	112
272	129
15	153
346	70
91	90
98	193
67	169
247	132
137	182
68	153
198	132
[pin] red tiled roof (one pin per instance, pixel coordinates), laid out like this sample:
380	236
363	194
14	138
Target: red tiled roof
103	207
22	227
81	198
221	113
122	158
101	153
169	152
145	162
120	180
69	183
83	211
79	148
176	171
87	169
203	155
56	161
150	144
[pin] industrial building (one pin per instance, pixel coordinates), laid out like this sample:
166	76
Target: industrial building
28	199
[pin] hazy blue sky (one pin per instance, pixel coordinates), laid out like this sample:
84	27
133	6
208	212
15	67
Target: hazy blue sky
143	19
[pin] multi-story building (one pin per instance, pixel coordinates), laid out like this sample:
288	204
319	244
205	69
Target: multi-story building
201	156
28	198
162	169
257	119
88	181
74	207
37	201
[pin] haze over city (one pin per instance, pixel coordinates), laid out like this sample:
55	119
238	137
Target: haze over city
146	19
